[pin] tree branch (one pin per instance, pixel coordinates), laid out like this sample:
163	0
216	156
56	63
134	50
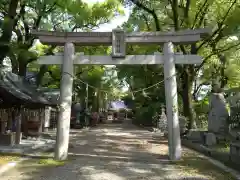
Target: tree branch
52	76
80	73
89	26
186	11
146	22
7	28
214	53
150	11
198	13
220	26
174	5
197	89
31	60
201	20
53	7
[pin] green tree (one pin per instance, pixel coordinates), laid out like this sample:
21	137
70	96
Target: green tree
20	17
221	16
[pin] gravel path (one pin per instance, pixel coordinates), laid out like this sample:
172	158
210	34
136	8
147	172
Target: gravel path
109	152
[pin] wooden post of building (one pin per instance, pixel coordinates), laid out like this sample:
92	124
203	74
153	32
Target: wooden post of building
3	119
10	123
40	119
47	115
18	117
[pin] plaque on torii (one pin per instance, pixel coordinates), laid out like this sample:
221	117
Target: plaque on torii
118	39
118	43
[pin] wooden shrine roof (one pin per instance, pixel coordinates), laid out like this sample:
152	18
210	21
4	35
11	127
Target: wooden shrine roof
15	91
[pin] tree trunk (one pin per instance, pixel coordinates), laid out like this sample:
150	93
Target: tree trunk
14	62
22	69
223	77
186	94
7	28
15	65
14	68
40	75
44	68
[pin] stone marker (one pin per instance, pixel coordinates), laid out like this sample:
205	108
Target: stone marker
162	122
195	135
218	114
211	139
182	124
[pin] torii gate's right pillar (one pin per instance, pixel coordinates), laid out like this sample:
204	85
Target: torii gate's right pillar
174	141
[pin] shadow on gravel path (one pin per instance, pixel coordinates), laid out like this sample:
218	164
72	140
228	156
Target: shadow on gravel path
118	152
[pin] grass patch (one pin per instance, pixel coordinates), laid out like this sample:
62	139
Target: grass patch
47	154
6	158
51	162
193	163
221	148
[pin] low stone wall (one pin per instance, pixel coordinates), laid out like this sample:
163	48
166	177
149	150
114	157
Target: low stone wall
8	139
223	157
235	152
196	136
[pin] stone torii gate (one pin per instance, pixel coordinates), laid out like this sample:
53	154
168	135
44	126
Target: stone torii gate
118	39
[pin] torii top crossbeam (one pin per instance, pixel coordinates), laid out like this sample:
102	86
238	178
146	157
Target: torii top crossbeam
106	38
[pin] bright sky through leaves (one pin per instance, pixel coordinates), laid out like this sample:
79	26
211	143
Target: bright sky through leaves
115	22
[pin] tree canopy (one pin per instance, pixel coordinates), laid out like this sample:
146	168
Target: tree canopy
220	51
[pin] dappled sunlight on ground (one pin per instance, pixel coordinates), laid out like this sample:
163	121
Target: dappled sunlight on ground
120	152
121	134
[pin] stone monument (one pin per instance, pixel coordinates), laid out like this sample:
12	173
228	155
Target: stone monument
77	109
162	121
217	117
218	113
182	124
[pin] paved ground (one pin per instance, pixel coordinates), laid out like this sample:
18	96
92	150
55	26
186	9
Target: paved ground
110	152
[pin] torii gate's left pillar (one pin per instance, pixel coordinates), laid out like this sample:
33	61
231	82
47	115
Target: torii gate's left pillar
63	124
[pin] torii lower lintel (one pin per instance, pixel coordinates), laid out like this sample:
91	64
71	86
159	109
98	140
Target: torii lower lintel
157	58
